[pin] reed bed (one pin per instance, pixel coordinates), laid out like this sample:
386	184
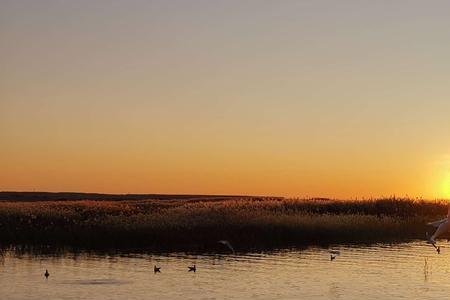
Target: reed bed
248	222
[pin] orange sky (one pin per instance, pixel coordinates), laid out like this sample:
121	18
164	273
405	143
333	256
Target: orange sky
298	98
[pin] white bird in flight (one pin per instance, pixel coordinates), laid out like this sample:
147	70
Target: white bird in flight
442	227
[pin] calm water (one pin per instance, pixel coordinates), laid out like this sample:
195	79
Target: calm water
375	272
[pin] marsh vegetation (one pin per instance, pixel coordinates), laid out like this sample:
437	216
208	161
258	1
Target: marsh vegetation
199	222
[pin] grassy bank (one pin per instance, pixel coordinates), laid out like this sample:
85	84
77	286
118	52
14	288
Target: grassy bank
196	223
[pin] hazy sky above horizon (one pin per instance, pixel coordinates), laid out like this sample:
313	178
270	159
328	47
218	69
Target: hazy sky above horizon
295	98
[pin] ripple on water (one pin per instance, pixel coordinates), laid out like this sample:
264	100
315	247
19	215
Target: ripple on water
96	282
411	271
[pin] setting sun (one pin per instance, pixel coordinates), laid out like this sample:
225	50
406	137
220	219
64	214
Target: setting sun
445	185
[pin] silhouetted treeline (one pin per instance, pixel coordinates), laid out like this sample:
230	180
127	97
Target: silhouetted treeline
48	196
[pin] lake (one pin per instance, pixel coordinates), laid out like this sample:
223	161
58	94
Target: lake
402	271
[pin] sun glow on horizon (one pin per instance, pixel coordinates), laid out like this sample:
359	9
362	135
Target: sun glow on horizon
445	184
300	98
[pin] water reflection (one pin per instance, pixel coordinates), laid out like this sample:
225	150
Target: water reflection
410	270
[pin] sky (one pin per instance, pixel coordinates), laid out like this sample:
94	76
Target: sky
339	99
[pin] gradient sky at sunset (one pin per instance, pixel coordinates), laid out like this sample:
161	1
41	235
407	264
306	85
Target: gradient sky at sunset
294	98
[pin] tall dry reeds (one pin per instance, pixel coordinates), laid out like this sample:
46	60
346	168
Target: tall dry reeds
199	223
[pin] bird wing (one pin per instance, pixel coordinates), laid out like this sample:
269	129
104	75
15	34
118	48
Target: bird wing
226	243
437	223
335	252
448	213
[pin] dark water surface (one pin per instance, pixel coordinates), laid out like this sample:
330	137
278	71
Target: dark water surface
402	271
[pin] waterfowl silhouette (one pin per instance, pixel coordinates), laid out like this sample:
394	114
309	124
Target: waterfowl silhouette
157	269
46	274
226	243
438	250
192	269
334	254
